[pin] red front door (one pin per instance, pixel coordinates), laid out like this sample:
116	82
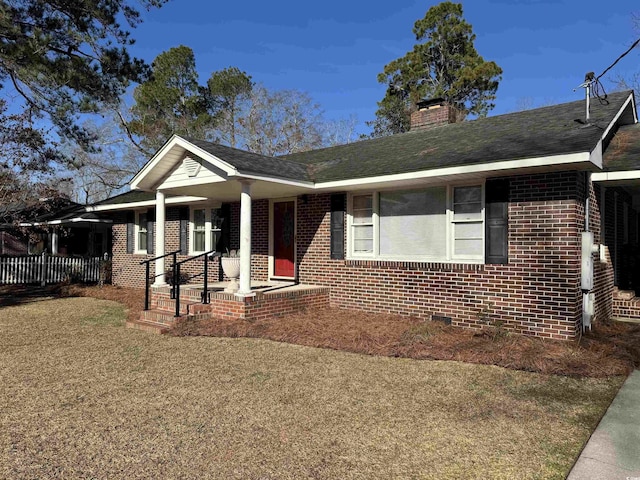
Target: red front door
284	239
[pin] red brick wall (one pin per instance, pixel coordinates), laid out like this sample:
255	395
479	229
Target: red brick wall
536	293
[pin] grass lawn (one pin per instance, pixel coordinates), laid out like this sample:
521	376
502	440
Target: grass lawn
83	397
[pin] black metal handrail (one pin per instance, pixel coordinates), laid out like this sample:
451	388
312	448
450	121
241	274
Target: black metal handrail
176	278
147	276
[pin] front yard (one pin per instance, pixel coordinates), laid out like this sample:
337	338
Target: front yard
83	397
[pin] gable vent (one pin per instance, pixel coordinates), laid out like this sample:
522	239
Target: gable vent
191	166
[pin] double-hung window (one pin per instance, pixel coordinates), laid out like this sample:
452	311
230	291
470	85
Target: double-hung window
362	224
467	224
206	229
141	232
199	230
444	223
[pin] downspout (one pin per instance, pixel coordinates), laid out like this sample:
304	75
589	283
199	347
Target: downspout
587	200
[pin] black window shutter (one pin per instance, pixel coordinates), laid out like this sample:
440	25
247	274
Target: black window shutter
184	229
497	221
337	226
130	231
151	223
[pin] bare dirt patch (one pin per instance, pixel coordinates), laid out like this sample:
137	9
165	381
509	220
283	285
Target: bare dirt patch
83	397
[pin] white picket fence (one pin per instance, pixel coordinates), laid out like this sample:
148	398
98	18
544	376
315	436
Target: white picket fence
45	269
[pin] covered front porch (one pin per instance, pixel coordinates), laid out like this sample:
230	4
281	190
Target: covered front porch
211	176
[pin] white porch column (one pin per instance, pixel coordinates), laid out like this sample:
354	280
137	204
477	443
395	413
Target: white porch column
245	240
159	234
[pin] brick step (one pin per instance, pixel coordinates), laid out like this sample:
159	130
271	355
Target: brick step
627	319
624	294
168	305
149	327
626	306
161	317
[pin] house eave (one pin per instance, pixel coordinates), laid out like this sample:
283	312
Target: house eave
580	160
628	104
280	180
66	222
621	176
147	203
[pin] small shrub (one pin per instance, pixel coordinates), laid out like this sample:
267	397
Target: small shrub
106	268
73	275
419	333
494	328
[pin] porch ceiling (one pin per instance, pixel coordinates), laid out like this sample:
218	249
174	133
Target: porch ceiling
229	191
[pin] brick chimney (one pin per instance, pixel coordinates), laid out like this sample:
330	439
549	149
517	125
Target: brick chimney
434	113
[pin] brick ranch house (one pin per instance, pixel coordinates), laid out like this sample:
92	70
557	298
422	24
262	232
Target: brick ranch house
462	222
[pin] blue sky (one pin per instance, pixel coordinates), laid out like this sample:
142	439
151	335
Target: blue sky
334	50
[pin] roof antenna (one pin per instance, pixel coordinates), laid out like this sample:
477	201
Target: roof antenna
589	78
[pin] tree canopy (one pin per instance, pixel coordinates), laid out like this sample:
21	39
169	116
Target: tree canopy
171	101
58	60
230	109
444	64
229	92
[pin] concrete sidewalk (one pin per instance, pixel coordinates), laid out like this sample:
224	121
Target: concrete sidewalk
613	451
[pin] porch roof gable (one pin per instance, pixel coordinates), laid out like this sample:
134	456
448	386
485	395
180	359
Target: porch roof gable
225	162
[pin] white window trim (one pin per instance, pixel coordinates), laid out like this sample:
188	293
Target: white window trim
449	258
451	225
207	228
139	249
350	226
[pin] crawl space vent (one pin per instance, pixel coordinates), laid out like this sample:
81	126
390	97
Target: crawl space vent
191	166
441	318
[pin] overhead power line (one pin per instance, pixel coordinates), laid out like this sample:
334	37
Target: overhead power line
619	58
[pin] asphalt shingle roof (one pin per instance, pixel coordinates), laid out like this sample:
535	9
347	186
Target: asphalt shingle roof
132	196
253	163
546	131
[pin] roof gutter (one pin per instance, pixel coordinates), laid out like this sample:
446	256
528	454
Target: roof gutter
482	169
145	203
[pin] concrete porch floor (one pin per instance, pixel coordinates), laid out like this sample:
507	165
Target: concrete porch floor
256	286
